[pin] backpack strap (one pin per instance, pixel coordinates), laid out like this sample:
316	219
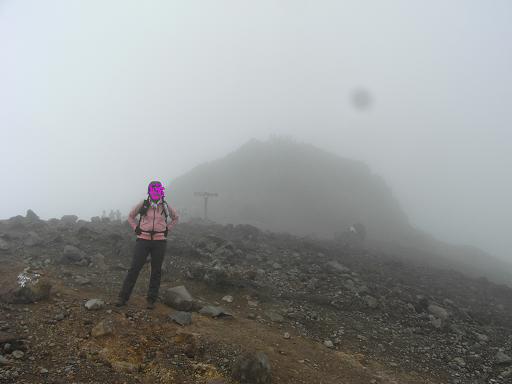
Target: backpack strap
143	210
165	209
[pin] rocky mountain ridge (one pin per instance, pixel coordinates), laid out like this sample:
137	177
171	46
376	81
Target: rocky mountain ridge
318	310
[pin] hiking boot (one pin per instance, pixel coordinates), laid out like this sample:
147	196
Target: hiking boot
120	303
150	304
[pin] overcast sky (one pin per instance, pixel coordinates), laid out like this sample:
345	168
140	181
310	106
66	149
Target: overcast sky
99	97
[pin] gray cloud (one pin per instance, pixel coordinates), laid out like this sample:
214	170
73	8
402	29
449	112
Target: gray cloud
98	98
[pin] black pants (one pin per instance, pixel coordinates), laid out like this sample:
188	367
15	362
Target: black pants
142	248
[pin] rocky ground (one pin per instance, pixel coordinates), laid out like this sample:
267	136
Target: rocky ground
263	307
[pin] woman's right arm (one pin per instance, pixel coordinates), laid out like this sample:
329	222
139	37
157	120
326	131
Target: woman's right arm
133	213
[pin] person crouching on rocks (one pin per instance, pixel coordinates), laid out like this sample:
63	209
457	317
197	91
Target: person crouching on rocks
151	230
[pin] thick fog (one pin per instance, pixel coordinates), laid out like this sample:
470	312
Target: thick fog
97	98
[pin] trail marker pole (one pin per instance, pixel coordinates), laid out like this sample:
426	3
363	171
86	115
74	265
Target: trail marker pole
206	195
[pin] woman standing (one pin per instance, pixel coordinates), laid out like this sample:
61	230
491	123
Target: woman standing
151	230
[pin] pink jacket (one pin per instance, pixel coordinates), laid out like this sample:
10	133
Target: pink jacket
153	220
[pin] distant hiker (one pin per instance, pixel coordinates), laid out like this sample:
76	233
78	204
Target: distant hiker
151	230
359	231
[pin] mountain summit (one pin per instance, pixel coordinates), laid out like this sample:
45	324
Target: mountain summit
283	185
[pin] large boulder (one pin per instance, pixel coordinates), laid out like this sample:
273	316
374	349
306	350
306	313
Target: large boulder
69	219
103	328
4	245
438	311
28	292
72	254
94	304
98	261
179	298
32	239
31	215
213	311
252	368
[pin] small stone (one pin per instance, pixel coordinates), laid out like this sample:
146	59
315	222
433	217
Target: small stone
252	368
17	354
438	311
337	267
274	316
60	316
43	371
124	366
228	298
69	219
286	335
328	344
31	215
459	361
4	245
95	304
179	298
103	328
481	337
252	303
82	280
213	311
371	301
181	318
436	323
502	358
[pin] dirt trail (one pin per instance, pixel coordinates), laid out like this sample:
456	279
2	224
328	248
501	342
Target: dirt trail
139	333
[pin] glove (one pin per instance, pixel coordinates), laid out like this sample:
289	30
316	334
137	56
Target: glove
166	232
138	231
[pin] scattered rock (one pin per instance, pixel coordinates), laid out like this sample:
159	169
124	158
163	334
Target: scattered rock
228	298
31	292
17	354
274	316
502	358
371	301
459	361
179	298
181	318
98	261
336	267
4	245
4	361
213	311
95	304
71	254
482	338
436	323
329	344
252	368
438	311
82	280
32	239
124	366
69	219
103	328
31	215
96	219
286	335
